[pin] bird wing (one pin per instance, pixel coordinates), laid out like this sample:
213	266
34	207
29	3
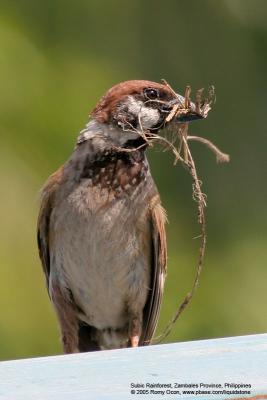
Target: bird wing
47	199
159	256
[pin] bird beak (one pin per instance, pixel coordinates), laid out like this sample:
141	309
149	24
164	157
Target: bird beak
185	110
182	109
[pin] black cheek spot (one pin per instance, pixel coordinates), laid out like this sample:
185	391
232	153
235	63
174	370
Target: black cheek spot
133	120
124	118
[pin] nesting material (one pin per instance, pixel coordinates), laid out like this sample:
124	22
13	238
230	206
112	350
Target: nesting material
179	146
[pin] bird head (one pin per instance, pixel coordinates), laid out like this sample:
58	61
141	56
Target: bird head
138	105
138	102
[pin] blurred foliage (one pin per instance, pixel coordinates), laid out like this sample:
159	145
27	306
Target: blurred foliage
56	59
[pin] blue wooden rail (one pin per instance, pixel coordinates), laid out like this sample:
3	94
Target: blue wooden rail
227	368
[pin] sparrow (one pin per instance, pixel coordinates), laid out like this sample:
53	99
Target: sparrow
101	225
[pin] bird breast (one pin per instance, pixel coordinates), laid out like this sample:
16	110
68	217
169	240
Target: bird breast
101	241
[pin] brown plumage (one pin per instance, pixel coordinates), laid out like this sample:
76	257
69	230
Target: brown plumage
101	232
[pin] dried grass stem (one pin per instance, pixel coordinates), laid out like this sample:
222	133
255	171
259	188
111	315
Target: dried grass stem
180	133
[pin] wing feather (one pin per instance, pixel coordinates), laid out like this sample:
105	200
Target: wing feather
47	200
159	257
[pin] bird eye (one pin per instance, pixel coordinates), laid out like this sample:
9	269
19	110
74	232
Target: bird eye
151	94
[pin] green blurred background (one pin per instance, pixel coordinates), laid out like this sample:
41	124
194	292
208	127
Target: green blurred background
56	59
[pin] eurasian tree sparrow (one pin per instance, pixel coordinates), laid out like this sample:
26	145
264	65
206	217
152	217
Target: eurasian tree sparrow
101	232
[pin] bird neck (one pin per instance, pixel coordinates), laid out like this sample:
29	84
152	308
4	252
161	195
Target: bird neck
99	147
110	135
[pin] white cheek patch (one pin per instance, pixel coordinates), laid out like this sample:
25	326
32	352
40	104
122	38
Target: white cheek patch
148	116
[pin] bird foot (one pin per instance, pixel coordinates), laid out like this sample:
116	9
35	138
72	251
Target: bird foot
134	331
134	341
